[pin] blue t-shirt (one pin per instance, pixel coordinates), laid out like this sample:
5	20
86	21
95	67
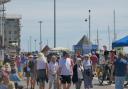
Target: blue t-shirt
120	67
65	65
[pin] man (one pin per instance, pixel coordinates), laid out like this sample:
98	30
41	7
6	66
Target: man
66	70
120	68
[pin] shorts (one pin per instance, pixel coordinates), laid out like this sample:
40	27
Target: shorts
65	79
41	76
27	74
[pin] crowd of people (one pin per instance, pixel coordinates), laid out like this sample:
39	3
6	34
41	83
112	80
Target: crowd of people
59	71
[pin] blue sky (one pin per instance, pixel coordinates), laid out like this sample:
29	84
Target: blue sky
70	20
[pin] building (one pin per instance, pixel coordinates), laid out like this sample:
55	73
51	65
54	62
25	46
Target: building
2	13
12	29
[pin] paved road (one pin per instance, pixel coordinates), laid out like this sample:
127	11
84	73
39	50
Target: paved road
95	85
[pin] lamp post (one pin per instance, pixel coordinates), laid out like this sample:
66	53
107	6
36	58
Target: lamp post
114	13
35	44
89	21
40	22
89	26
30	40
54	23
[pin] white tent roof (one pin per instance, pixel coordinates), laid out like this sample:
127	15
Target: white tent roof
60	49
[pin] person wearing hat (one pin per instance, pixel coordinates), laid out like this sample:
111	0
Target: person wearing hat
87	64
78	73
42	70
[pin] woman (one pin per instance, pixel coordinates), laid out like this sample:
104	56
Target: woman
88	75
32	70
41	67
78	73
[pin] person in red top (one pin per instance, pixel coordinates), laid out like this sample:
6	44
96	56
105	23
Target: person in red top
94	59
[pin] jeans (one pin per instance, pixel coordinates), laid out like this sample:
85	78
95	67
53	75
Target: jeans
119	82
78	84
52	81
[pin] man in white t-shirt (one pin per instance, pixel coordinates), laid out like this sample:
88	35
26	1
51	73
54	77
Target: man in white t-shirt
66	70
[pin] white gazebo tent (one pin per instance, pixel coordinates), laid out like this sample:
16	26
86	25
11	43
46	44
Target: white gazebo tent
60	49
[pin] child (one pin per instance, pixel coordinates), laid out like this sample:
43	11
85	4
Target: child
52	70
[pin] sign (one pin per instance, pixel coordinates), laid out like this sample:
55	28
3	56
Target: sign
78	48
87	49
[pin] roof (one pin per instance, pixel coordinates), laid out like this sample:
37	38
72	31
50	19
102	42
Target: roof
84	41
60	49
13	16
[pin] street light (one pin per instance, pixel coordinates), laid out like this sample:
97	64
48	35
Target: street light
40	22
35	44
54	23
89	18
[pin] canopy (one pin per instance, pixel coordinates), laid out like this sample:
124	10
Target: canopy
60	49
120	43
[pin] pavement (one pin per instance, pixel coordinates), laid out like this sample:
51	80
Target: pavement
95	85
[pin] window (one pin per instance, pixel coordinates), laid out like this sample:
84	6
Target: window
9	38
15	39
5	39
10	32
15	32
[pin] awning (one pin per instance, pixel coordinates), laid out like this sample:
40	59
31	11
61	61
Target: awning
121	43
